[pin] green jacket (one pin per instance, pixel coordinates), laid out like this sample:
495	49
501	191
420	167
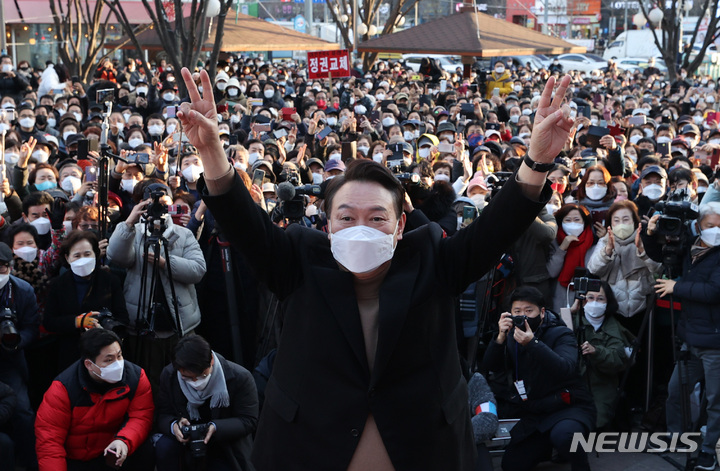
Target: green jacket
604	366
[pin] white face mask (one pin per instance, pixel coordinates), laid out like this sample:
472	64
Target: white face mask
551	208
527	112
409	136
221	85
595	313
26	253
134	142
240	166
126	117
387	122
27	122
424	152
334	156
361	249
269	93
83	266
168	96
155	130
441	177
499	70
596	192
514	119
192	173
199	384
41	156
653	192
141	91
363	149
478	200
67	225
42	225
78	117
573	228
663	139
360	109
128	184
171	128
635	138
377	157
623	231
233	92
317	178
332	121
253	157
111	373
71	184
380	96
11	158
697	119
711	236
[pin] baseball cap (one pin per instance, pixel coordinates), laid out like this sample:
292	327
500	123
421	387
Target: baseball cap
335	164
6	255
653	169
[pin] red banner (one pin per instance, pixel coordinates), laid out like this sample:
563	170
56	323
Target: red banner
324	63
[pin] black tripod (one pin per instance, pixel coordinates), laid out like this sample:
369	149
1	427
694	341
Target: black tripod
148	308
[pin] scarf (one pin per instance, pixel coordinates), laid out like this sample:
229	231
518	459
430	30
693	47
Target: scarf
216	391
30	272
698	251
593	205
575	256
628	263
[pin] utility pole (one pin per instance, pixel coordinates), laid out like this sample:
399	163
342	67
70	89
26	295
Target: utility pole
547	17
309	16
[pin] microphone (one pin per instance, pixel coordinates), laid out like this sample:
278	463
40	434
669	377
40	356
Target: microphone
286	191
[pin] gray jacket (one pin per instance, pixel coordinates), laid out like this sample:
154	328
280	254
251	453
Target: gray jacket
126	248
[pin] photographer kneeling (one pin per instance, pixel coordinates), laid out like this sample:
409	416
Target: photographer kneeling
698	290
536	377
207	411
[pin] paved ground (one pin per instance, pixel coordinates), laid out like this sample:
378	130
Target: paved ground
618	462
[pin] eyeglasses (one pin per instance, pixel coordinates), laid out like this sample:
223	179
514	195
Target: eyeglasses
85	226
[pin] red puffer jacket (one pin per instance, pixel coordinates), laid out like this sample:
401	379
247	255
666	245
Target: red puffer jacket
76	421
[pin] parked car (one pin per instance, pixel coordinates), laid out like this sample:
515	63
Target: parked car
639	64
447	63
581	62
522	61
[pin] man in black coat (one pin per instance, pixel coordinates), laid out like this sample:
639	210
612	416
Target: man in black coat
202	388
367	374
537	379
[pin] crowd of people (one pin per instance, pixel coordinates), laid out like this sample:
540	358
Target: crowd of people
134	338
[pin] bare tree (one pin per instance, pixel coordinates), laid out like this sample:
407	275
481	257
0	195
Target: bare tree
81	33
182	38
670	41
367	16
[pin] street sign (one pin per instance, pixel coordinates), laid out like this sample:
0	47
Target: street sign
333	63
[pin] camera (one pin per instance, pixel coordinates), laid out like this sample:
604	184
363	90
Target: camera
582	283
196	436
108	322
496	180
675	213
9	335
519	321
156	210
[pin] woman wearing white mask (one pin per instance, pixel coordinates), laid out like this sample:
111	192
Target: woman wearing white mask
620	258
572	248
596	193
697	290
603	343
76	298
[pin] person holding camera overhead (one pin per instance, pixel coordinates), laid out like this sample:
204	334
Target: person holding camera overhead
170	310
207	411
84	297
536	377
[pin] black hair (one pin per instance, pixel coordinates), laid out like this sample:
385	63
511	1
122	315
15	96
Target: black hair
368	171
94	340
529	294
36	198
612	304
78	236
16	229
192	353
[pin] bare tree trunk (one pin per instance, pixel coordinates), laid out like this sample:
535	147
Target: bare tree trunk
219	31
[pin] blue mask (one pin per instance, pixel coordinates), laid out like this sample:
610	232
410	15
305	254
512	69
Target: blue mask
46	185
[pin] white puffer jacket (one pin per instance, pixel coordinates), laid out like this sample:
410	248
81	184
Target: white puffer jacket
629	273
126	249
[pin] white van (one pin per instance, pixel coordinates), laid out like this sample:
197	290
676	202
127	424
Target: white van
633	43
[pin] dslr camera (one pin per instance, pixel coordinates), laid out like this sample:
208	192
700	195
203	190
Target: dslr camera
196	436
675	212
519	321
582	283
9	335
108	322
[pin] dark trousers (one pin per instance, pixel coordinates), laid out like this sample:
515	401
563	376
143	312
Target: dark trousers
7	453
171	455
526	454
142	460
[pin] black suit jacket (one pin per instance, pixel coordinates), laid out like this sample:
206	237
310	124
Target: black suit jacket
321	391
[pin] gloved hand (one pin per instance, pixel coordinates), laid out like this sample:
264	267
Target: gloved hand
57	214
87	321
484	423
